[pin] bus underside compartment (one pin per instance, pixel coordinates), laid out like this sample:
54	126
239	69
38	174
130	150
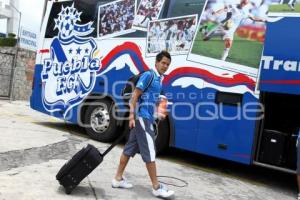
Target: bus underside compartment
278	131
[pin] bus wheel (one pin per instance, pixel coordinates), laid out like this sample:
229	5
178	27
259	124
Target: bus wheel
162	136
99	120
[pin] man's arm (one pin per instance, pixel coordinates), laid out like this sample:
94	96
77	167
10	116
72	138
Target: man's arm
134	99
138	91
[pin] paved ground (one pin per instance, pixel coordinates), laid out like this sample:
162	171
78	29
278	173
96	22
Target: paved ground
33	147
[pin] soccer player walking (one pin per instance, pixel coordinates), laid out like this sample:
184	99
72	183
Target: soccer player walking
141	138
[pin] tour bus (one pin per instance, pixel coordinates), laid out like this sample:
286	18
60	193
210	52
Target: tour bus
232	86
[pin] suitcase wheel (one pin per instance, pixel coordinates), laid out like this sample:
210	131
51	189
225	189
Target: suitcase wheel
68	190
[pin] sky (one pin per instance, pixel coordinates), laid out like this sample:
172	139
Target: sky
31	14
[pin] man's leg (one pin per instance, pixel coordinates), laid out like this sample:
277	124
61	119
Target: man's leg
228	16
147	149
130	149
122	165
227	44
213	31
167	45
145	140
119	181
151	167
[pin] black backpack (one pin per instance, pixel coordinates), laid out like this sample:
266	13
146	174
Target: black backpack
130	86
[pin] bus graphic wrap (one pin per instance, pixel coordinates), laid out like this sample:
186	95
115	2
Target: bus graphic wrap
70	73
213	109
280	64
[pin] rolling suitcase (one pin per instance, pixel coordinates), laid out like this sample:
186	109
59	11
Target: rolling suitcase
81	165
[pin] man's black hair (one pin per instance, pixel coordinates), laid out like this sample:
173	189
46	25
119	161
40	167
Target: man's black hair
162	54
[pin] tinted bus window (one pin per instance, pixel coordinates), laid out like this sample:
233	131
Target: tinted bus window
56	8
185	7
89	9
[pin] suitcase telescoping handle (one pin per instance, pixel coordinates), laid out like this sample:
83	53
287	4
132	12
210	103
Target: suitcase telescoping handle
114	144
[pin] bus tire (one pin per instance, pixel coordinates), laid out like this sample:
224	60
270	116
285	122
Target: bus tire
99	121
162	136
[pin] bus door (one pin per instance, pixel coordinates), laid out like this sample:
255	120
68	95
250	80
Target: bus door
280	94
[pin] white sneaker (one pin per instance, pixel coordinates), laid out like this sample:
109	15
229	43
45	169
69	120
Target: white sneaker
121	184
162	192
298	196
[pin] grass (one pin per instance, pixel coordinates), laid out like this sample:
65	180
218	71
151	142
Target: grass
284	8
243	51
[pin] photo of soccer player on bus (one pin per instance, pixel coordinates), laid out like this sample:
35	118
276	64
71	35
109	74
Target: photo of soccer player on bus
147	11
285	7
116	18
231	34
174	35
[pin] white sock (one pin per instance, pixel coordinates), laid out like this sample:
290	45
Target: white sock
225	53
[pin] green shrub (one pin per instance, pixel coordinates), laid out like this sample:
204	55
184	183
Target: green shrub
8	42
11	35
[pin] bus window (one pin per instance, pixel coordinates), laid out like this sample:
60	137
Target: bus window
89	9
185	7
136	34
56	8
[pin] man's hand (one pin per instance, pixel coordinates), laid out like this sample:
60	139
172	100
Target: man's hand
136	94
131	121
161	116
162	111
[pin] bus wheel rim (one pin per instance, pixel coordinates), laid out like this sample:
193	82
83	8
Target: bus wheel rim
100	119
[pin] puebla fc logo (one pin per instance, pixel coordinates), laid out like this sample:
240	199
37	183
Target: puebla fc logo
70	73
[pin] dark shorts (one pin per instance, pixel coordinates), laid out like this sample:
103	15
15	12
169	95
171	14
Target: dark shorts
141	139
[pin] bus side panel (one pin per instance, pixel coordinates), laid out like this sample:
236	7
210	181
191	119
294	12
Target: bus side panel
185	130
200	124
228	131
182	111
37	97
